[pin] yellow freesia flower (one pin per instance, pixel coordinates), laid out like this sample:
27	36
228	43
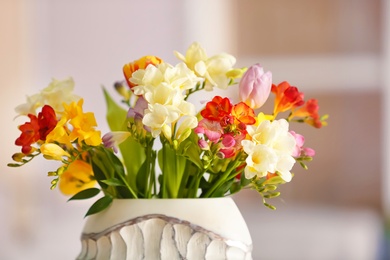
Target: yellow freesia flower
53	151
83	124
59	133
78	177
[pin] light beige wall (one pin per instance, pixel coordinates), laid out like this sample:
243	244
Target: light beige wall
290	27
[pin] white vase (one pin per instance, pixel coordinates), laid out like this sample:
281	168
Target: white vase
168	229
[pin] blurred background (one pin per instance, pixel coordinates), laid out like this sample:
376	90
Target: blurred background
336	51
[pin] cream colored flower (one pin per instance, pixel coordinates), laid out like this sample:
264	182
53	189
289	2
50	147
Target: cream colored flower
214	69
59	92
270	150
160	117
176	77
54	95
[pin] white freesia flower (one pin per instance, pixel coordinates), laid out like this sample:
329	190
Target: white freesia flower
213	69
163	87
270	150
54	95
30	107
160	118
177	77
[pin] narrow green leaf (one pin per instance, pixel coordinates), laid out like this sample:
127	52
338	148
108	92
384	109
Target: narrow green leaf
85	194
113	182
135	153
99	205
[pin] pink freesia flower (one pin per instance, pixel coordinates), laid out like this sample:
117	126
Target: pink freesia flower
228	141
212	129
203	144
299	150
255	86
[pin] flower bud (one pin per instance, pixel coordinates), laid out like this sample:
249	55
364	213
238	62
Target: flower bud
255	86
53	152
203	144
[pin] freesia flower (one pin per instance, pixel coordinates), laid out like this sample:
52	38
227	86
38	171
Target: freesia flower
37	129
30	107
309	111
113	139
299	150
287	97
270	150
213	69
83	124
212	129
54	95
217	109
30	134
47	121
142	63
255	86
244	114
59	92
78	176
53	151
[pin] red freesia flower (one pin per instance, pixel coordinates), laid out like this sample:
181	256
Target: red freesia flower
287	97
47	121
218	109
30	134
37	129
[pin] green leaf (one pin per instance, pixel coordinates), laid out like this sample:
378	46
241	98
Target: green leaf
99	205
190	149
116	115
133	151
85	194
99	170
113	182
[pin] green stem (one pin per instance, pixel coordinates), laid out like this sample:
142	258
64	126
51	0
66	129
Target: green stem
128	186
220	181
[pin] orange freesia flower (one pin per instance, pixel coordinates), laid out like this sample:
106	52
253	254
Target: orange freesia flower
79	176
287	97
217	109
142	63
244	114
309	111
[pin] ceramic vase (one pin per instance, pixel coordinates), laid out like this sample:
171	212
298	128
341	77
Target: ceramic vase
167	229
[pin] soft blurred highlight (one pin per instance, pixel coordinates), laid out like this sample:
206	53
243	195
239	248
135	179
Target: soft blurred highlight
335	51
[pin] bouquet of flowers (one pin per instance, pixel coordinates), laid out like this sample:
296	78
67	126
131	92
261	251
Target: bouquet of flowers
159	146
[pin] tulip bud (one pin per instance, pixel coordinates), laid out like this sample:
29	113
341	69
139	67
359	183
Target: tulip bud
255	86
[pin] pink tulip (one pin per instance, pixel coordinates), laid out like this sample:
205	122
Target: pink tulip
255	86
